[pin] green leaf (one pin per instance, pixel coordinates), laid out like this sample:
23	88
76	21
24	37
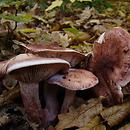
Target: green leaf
56	3
25	18
27	30
73	30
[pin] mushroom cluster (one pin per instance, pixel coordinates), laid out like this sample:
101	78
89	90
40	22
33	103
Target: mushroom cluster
57	67
51	65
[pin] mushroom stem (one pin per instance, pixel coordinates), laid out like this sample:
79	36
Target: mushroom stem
30	97
116	91
68	100
50	96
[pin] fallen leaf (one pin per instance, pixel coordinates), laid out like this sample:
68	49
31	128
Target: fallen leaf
125	127
25	18
80	116
116	114
9	83
94	124
7	96
126	89
54	4
4	119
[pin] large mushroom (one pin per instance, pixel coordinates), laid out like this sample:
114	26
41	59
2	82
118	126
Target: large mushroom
75	79
29	70
111	63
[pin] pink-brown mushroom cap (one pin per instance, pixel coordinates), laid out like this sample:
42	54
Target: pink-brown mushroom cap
75	79
54	51
31	68
113	48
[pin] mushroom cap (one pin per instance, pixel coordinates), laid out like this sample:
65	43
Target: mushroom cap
112	55
75	79
88	59
31	68
54	51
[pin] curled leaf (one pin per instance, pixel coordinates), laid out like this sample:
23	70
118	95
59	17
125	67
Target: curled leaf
115	114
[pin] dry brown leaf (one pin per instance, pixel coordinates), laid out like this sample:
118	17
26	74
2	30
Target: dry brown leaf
51	128
100	127
7	96
126	89
80	116
94	124
125	127
115	114
8	82
4	120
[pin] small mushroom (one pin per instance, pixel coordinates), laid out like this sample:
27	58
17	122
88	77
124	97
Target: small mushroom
111	63
54	51
75	79
29	70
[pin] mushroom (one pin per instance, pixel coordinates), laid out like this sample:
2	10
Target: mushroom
111	63
29	70
75	79
54	51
